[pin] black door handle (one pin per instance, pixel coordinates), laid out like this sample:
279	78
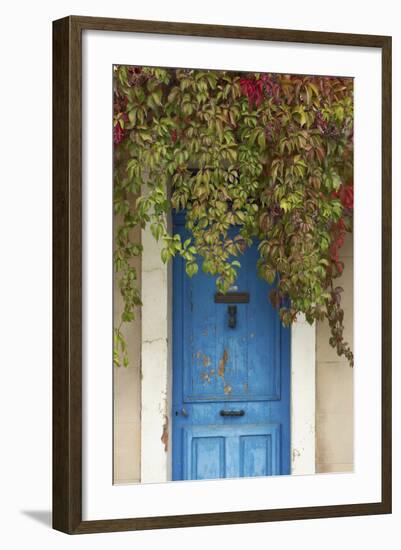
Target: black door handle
232	413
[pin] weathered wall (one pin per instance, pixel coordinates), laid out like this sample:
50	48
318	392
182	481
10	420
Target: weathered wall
303	387
156	364
334	386
127	396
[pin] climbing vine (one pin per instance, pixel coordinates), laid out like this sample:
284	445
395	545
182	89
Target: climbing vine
270	154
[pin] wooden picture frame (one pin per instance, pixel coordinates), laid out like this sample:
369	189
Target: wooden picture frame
67	274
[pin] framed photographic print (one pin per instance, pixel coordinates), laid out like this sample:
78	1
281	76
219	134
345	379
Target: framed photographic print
222	274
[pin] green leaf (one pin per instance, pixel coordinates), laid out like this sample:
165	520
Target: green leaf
262	140
132	116
165	255
156	96
191	269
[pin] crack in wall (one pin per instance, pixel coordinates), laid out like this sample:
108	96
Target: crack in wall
153	340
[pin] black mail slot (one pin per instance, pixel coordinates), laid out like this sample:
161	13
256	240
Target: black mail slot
231	298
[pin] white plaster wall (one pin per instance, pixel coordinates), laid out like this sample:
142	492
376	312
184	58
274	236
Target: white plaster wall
155	358
303	365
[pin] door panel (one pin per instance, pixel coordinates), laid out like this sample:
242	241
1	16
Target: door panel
229	451
206	458
231	384
225	363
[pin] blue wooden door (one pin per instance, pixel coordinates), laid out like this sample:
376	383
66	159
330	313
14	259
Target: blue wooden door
231	377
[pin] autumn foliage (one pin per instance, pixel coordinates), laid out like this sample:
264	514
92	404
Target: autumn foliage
269	154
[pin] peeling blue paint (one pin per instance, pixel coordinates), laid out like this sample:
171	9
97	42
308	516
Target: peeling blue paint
216	367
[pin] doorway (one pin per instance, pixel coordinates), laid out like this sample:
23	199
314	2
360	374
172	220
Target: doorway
231	376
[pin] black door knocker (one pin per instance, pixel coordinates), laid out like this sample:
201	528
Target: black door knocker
232	316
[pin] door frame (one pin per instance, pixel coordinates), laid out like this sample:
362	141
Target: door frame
156	383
